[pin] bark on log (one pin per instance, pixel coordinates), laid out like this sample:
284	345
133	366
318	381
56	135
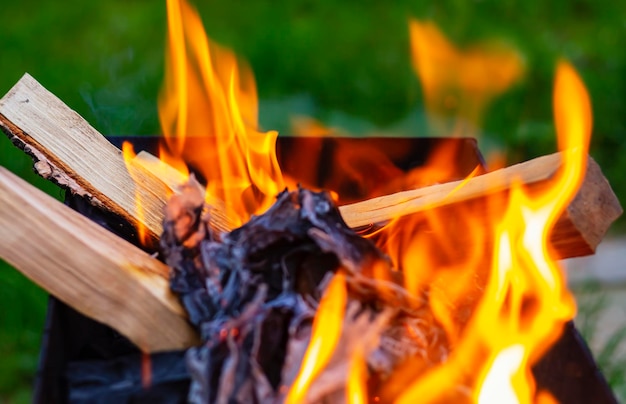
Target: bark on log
89	268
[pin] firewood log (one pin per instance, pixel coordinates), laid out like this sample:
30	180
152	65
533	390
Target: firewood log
578	231
70	152
89	268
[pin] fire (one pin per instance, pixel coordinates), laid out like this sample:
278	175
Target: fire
356	389
208	112
324	337
362	170
129	154
513	291
525	302
461	81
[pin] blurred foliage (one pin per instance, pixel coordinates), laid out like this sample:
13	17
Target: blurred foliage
592	301
346	64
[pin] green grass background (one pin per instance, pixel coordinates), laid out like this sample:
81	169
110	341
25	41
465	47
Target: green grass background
346	64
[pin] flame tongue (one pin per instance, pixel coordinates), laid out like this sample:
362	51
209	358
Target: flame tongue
527	283
525	302
461	81
208	113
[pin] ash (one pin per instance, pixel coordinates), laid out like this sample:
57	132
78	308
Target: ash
252	295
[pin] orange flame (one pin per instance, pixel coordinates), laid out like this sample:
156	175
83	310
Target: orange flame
462	82
208	113
128	152
361	170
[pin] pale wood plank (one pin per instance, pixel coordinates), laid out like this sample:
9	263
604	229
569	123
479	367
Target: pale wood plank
71	153
89	268
578	231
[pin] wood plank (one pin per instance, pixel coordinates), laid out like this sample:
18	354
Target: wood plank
71	153
577	233
89	268
387	207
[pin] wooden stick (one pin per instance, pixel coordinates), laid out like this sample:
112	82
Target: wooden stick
578	232
74	155
89	268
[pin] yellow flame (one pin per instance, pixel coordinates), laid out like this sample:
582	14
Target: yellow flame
356	389
525	302
128	152
497	387
208	112
533	277
326	331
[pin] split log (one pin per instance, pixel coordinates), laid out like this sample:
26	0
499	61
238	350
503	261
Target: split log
74	155
89	268
578	231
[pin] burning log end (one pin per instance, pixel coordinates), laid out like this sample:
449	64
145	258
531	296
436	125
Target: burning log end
587	218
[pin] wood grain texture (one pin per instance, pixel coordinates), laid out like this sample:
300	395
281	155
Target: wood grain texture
219	219
71	153
97	273
387	207
588	216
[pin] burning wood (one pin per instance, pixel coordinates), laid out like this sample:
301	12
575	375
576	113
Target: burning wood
579	230
37	122
70	152
290	303
253	295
